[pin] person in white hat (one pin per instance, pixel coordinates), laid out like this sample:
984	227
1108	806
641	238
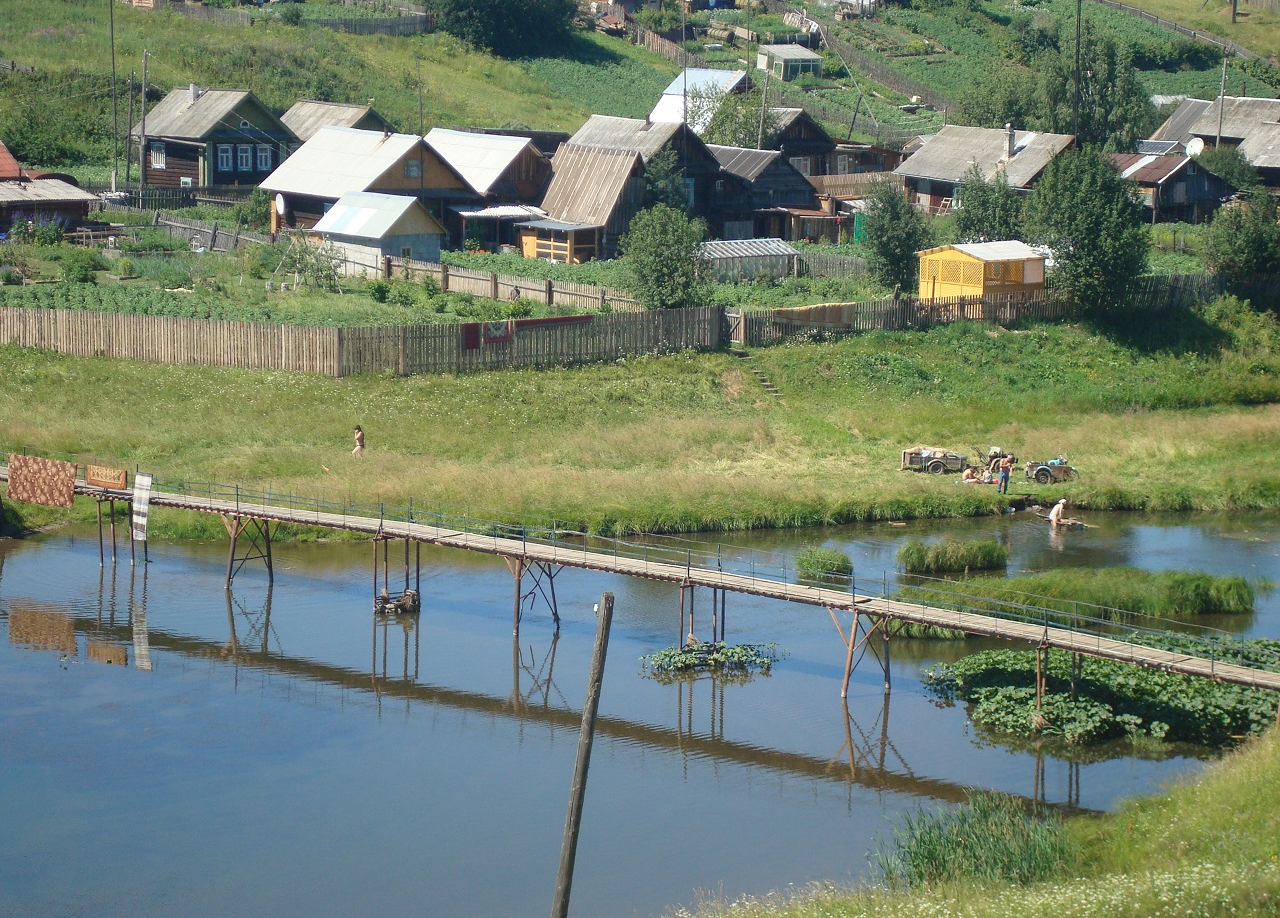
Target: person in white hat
1055	515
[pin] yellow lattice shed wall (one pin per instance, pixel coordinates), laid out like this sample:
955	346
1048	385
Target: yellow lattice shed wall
949	272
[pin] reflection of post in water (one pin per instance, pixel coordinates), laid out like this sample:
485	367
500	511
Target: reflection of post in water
100	646
542	682
257	635
870	748
1039	783
685	707
138	620
409	627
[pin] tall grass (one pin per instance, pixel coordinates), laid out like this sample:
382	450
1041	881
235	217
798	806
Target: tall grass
991	838
816	561
951	556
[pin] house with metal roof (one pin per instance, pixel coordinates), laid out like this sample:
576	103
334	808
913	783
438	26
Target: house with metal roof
1248	124
1175	133
695	95
757	193
1173	187
934	172
786	62
197	137
594	193
338	161
979	268
307	116
367	228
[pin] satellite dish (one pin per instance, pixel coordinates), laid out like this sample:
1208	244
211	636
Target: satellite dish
280	204
1195	146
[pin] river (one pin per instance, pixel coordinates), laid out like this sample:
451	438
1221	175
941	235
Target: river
274	751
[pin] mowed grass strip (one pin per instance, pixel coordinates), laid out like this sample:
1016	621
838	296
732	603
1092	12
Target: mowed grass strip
690	442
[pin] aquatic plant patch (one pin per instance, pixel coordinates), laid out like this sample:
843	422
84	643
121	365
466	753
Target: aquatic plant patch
951	556
716	657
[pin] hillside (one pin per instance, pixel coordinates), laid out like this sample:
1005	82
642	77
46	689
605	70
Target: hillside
64	108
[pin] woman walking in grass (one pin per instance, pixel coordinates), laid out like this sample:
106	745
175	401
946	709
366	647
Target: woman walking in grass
359	449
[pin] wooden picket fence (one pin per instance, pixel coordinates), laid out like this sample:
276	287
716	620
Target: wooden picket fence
495	286
454	348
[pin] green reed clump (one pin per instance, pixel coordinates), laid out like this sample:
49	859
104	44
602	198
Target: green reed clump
951	556
816	561
989	839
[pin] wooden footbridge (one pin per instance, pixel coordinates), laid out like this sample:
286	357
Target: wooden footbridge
540	553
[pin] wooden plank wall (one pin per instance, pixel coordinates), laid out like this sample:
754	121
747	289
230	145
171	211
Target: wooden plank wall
162	339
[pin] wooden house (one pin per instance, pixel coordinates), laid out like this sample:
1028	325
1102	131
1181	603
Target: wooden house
366	228
32	196
757	192
786	62
975	269
803	141
1251	125
338	161
594	193
1173	187
934	172
308	116
197	137
501	170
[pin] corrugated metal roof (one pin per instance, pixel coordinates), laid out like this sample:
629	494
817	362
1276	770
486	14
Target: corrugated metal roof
1008	250
42	191
339	160
790	52
177	116
558	225
611	133
742	162
747	248
368	215
308	116
948	155
500	212
1148	169
702	86
1242	116
9	168
700	79
1177	127
480	159
587	183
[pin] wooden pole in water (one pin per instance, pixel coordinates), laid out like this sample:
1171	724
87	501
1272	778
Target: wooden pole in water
515	611
578	790
848	660
102	562
884	637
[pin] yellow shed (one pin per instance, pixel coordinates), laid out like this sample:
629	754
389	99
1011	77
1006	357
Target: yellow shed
974	269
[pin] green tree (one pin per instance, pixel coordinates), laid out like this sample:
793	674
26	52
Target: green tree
1230	165
1092	220
895	232
999	95
1115	110
663	255
508	29
1243	240
735	121
989	211
664	180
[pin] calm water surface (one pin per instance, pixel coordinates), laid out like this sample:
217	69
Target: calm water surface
272	752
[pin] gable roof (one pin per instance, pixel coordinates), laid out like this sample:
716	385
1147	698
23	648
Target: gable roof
948	155
340	160
1148	169
1001	250
43	191
307	116
368	215
178	116
481	159
588	183
742	162
9	168
1177	127
1255	123
611	133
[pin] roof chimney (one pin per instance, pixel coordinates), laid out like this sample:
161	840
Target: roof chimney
1013	138
195	92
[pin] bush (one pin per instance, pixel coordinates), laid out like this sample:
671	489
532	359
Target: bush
9	277
79	265
379	290
951	556
124	267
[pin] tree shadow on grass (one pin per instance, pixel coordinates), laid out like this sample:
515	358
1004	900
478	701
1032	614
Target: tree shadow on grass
1178	332
578	48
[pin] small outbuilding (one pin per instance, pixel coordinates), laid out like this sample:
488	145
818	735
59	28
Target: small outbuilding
734	261
786	62
366	227
979	268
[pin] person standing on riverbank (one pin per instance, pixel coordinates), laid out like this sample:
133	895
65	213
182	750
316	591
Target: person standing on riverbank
359	447
1006	466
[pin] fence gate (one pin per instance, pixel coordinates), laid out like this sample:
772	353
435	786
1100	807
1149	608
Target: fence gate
733	327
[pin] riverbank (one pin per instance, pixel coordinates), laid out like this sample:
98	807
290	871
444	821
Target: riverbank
1210	846
691	441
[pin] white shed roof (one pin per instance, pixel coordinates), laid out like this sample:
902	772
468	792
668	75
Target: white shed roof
368	215
479	158
1008	250
339	160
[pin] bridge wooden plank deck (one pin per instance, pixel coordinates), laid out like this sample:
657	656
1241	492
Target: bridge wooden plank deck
1038	634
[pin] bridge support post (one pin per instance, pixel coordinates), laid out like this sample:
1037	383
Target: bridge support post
258	536
884	639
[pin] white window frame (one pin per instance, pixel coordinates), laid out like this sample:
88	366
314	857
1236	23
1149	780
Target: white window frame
244	157
226	157
185	181
842	163
158	157
801	164
264	157
406	252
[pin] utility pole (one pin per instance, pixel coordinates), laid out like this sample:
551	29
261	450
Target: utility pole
419	63
128	156
1222	101
142	133
115	112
